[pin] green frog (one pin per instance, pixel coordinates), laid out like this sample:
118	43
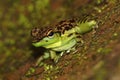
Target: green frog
61	38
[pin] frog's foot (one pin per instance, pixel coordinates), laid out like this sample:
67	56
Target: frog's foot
71	49
39	62
68	51
55	56
56	59
94	29
61	54
81	41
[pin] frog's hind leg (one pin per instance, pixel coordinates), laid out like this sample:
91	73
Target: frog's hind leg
80	40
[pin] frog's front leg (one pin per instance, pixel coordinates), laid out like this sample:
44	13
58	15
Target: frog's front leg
39	63
55	56
43	57
49	54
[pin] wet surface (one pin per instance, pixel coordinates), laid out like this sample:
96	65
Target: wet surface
97	59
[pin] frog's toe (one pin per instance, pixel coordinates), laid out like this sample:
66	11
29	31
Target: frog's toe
81	41
56	59
39	62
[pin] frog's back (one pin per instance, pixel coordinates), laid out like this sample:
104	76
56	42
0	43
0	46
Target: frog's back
60	27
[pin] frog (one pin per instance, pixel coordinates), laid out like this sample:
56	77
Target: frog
61	37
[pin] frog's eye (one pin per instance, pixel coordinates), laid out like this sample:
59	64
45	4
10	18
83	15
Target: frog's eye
51	34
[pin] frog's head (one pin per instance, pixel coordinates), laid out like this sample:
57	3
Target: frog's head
44	36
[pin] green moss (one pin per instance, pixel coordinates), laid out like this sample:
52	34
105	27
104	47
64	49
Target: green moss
50	72
41	4
99	1
23	20
104	50
112	1
115	34
30	72
30	7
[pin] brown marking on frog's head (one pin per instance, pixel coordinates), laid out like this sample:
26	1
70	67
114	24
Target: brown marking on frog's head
40	33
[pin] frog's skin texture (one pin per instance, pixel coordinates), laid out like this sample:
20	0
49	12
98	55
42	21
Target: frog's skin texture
60	38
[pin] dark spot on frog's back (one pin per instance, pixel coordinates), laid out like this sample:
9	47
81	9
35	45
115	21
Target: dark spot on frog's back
70	35
65	25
